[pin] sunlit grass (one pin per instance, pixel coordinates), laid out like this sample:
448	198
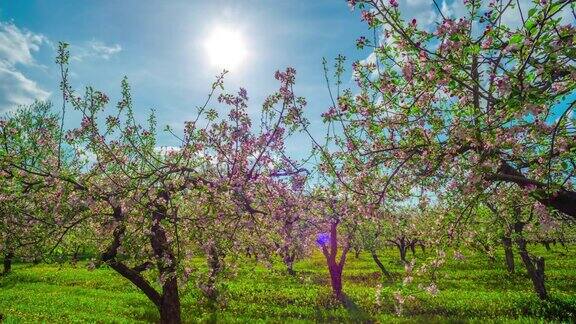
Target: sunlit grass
469	289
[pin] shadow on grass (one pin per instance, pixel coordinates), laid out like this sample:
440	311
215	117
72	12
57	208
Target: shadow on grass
145	313
356	313
9	280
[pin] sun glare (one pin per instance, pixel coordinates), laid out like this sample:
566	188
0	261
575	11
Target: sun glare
226	48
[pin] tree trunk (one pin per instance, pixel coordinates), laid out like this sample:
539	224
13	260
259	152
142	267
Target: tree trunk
167	303
402	248
336	280
509	254
170	305
335	267
170	301
381	266
8	262
74	260
290	270
413	247
213	260
134	276
289	262
534	265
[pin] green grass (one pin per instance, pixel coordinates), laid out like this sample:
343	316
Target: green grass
470	290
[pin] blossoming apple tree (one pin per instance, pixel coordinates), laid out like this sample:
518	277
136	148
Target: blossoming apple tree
152	208
470	102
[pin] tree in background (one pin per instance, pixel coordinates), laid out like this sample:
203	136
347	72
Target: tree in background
36	210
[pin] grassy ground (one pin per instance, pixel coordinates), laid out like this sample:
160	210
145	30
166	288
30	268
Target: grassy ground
471	289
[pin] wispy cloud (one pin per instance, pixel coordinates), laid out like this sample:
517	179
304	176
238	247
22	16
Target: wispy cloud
17	47
95	49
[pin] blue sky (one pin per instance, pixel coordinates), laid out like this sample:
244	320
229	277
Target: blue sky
159	46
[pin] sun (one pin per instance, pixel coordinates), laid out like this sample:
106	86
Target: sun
226	48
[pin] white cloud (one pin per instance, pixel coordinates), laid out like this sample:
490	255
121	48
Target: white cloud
16	89
455	9
103	50
422	10
16	49
94	49
165	150
16	45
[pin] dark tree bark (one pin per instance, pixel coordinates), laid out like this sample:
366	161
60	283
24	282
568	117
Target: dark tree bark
289	262
138	280
381	265
508	253
402	247
8	257
534	265
413	247
74	259
288	257
168	301
170	304
562	200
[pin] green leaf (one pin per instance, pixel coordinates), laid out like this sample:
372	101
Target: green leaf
555	8
474	49
530	23
516	39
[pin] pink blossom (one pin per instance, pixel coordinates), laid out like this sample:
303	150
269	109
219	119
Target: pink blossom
408	71
368	17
